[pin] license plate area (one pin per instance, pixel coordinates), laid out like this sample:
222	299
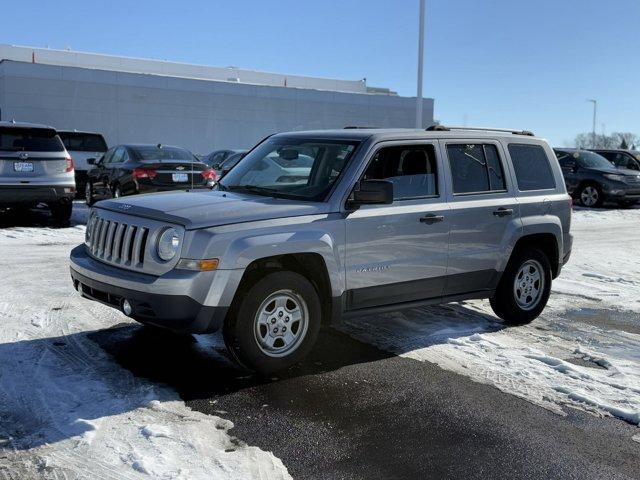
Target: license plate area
23	167
180	177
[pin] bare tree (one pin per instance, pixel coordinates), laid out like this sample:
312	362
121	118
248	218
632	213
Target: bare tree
615	140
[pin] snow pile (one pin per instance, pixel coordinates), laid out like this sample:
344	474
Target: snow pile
67	410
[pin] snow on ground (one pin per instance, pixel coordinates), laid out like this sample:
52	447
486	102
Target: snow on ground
583	352
67	410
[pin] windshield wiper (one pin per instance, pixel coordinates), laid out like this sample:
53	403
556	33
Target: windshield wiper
271	192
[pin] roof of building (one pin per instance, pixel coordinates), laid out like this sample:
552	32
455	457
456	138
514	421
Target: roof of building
70	58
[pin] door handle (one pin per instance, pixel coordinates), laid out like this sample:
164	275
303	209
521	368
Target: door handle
503	212
430	218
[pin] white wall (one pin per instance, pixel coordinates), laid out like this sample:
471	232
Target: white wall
201	115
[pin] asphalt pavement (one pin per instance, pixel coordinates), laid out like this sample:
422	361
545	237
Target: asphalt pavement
355	412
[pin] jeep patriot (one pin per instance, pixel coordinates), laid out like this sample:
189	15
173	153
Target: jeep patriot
313	226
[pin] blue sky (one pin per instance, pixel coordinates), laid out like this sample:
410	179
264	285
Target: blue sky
487	62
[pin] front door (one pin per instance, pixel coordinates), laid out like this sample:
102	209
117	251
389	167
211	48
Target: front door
483	212
398	253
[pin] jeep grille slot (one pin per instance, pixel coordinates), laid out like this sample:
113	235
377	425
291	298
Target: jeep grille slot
119	243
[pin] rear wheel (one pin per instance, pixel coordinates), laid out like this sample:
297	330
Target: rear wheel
275	324
61	212
590	195
524	288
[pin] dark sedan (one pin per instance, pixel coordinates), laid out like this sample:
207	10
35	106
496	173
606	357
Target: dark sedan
592	180
132	169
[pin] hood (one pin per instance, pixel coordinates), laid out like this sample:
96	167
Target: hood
202	209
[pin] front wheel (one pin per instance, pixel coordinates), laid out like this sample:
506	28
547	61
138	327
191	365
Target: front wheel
61	212
591	196
524	288
275	324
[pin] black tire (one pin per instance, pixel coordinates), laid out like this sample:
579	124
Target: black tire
88	194
61	212
239	329
504	302
590	187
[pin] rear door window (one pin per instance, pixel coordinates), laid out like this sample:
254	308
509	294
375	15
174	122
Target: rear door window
533	171
15	139
476	168
83	142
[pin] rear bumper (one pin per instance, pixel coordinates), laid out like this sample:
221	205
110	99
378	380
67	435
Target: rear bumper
30	194
170	301
146	188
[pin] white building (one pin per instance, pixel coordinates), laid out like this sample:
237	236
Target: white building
202	108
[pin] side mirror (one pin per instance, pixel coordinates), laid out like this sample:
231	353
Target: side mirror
91	161
373	192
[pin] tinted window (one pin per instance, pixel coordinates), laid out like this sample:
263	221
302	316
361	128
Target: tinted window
533	171
83	142
163	153
118	156
475	168
411	168
30	140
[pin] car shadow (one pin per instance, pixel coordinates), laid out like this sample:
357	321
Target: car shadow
41	217
52	389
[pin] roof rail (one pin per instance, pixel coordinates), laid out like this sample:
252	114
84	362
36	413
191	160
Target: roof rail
446	128
358	127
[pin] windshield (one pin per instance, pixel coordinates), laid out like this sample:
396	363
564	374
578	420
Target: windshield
586	159
30	140
164	153
83	142
290	168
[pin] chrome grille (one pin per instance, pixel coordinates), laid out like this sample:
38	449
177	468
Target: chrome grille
118	243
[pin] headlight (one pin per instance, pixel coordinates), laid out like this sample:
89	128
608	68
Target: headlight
614	177
168	244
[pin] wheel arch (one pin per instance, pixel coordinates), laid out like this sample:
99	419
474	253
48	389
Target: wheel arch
547	242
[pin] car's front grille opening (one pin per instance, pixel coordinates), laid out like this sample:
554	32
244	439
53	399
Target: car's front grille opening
119	243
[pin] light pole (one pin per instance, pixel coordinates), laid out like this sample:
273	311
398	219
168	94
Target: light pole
593	129
420	65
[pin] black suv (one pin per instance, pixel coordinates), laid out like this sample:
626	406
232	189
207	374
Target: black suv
621	158
592	179
131	169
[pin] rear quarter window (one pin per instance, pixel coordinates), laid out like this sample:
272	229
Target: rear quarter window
532	167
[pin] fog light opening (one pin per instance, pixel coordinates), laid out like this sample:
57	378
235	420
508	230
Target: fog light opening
127	308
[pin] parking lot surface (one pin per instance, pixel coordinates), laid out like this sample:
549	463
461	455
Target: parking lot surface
428	393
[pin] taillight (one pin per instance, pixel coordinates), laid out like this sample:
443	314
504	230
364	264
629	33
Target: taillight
144	173
69	167
209	174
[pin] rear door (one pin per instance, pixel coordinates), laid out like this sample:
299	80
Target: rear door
31	155
483	213
398	253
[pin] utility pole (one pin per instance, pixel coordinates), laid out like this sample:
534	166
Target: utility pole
420	66
593	130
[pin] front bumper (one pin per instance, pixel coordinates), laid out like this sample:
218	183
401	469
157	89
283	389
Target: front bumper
11	195
177	300
621	192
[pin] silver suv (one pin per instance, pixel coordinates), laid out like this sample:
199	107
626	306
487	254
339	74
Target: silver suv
35	168
313	226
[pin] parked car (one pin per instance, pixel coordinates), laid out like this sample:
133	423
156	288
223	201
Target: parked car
621	158
82	146
132	169
224	160
218	156
382	220
592	179
35	168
